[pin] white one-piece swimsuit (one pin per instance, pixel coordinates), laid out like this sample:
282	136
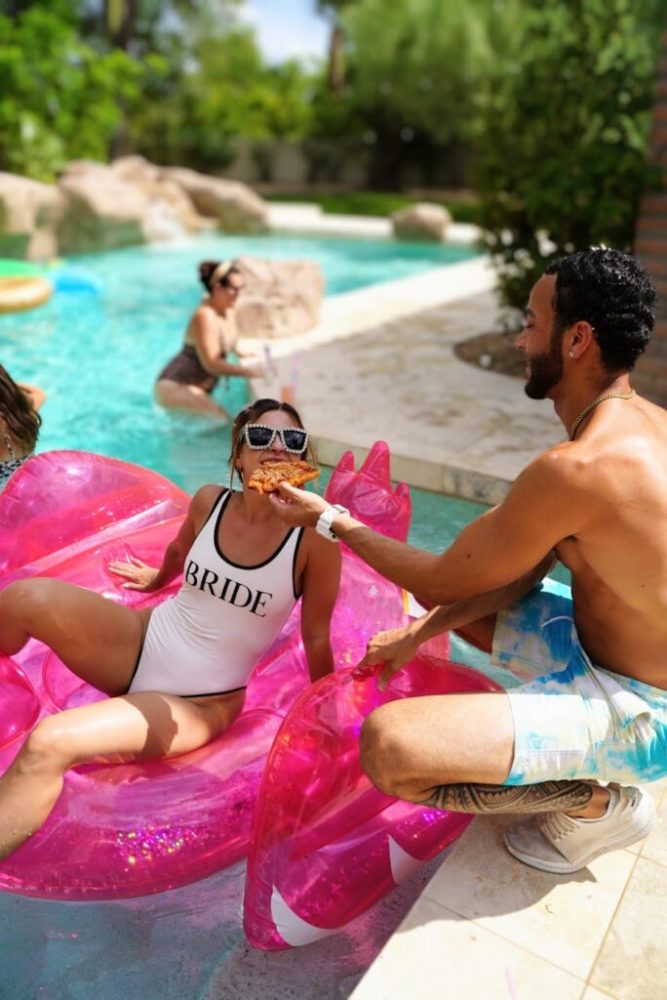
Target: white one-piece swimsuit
208	637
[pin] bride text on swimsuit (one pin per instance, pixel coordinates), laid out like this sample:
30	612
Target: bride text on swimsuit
228	590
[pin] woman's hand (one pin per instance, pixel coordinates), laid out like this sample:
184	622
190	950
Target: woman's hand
254	367
249	354
394	648
137	573
35	395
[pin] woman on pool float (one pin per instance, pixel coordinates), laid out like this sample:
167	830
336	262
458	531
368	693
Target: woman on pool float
187	381
19	423
176	673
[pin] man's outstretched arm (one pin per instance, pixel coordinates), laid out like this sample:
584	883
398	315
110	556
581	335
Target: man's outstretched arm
542	507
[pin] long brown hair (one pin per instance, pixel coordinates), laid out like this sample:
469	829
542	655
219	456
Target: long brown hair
17	412
248	415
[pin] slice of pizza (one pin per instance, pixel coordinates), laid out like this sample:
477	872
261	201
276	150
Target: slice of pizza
265	479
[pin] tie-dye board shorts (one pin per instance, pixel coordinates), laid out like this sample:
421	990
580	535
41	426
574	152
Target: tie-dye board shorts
572	719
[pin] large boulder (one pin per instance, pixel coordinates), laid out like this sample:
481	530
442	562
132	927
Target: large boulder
81	168
29	214
171	211
95	206
421	221
135	170
234	206
101	212
280	299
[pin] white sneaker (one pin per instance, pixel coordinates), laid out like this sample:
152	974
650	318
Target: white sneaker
558	843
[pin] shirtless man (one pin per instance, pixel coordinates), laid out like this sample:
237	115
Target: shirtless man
595	708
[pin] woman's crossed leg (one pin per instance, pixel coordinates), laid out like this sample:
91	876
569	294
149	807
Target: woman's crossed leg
132	727
99	641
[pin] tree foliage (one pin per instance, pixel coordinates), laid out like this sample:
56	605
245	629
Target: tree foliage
59	95
220	91
413	67
532	86
423	65
181	80
563	134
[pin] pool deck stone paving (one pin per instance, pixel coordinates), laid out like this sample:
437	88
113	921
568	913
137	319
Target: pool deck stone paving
381	364
487	927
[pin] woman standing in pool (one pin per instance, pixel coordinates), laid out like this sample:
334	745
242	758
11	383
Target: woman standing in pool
19	423
187	381
176	674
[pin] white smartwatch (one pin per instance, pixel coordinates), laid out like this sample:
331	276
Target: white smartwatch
323	526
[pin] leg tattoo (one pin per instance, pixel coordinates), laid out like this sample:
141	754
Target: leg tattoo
548	796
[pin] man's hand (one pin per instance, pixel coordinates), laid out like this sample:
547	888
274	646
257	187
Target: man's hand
394	648
297	507
137	573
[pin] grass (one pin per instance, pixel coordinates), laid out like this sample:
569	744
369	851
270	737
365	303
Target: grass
382	203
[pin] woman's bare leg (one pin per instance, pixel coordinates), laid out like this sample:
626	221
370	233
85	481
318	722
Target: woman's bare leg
133	727
96	638
176	396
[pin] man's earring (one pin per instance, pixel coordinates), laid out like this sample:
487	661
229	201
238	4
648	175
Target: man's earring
571	354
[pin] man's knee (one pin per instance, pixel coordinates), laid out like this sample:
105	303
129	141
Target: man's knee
383	751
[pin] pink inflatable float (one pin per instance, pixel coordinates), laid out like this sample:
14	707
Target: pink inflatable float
326	843
129	830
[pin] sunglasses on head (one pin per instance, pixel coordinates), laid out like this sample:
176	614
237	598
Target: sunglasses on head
260	436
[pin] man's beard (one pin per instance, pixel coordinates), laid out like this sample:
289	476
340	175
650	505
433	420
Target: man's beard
546	370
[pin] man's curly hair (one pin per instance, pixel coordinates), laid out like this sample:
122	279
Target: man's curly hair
611	291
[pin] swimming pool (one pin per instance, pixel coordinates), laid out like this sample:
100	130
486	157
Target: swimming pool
97	355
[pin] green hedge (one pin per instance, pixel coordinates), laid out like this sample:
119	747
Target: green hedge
562	150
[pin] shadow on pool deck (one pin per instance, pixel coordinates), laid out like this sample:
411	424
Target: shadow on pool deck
487	927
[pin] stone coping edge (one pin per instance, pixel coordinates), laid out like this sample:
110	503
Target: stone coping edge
444	477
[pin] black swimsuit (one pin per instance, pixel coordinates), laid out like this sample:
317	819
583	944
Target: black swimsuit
9	466
186	369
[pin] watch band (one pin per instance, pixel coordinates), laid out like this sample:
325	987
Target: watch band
323	526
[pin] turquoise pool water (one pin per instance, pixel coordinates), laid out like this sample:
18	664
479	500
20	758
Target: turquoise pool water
97	354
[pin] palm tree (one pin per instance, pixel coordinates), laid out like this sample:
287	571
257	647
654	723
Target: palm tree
121	21
124	20
336	73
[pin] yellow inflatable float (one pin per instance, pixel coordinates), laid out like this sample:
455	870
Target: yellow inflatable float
23	292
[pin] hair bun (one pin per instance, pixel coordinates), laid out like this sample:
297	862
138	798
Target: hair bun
206	269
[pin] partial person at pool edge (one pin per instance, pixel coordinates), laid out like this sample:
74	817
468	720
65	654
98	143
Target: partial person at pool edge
19	423
172	687
598	503
187	381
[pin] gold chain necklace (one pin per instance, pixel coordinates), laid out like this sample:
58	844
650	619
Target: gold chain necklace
574	426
